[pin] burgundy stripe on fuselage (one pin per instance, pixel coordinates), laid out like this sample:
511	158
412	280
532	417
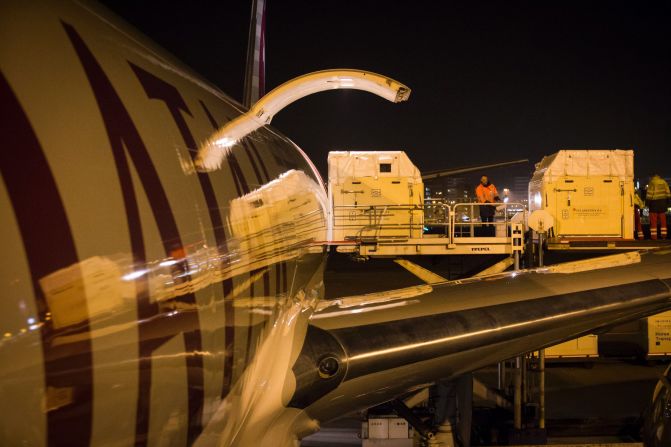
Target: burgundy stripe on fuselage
157	88
153	332
237	174
252	161
260	160
229	316
49	246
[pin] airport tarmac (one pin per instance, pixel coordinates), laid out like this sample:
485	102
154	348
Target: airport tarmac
598	403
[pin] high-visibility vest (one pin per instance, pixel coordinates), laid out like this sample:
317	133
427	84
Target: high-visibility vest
637	201
658	189
486	194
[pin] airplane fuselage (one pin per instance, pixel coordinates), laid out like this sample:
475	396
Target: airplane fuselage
133	301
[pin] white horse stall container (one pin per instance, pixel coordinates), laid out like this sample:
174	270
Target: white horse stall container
376	194
588	192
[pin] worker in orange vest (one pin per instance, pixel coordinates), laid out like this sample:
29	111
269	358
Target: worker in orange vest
486	193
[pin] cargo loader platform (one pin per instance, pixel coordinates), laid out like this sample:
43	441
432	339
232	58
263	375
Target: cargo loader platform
389	231
376	207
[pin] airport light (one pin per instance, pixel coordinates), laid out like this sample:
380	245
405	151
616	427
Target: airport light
212	152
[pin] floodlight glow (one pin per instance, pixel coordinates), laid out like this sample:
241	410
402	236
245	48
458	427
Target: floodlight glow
537	199
212	152
134	275
224	142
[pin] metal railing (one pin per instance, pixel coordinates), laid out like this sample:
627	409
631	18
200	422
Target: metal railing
469	219
433	219
437	217
378	221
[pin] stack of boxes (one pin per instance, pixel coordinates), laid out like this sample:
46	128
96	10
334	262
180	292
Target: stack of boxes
386	432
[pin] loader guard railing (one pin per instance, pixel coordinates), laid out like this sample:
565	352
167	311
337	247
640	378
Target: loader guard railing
468	219
435	219
359	222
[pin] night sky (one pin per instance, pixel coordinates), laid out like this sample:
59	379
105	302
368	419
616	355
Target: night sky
491	81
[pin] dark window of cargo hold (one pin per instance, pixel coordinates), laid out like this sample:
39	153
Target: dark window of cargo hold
385	167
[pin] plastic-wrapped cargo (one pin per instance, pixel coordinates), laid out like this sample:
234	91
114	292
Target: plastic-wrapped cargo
280	213
588	192
375	194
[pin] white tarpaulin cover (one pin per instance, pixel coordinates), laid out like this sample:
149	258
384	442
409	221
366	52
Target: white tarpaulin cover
572	162
344	164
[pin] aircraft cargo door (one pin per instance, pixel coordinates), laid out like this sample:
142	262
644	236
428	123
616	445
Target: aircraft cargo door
589	207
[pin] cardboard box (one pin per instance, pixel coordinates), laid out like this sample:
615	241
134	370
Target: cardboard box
398	428
378	428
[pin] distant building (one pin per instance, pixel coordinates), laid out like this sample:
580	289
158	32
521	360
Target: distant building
520	189
452	188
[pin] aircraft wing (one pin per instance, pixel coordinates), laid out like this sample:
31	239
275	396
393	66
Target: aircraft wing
465	170
362	352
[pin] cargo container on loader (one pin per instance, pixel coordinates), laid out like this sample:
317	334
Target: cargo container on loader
367	190
590	193
377	208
